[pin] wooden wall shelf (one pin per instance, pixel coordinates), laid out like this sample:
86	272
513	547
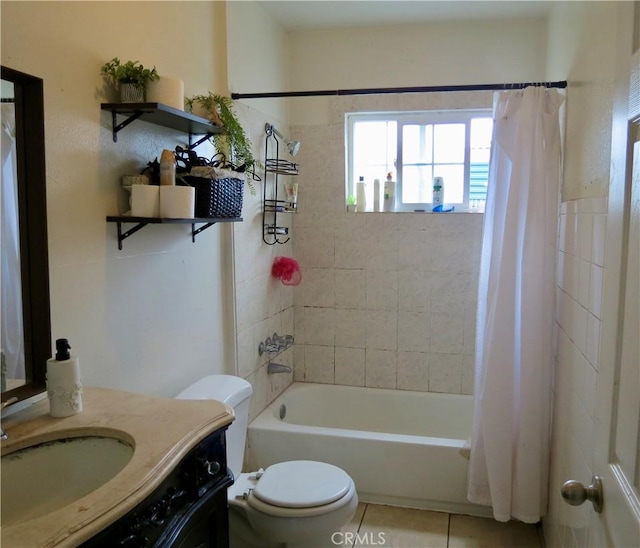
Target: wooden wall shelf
161	115
141	222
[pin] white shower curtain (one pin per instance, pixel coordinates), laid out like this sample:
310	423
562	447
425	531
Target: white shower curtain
12	333
509	462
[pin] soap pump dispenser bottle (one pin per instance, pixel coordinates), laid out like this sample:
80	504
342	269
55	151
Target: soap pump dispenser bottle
64	388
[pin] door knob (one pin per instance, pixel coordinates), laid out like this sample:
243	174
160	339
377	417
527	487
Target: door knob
575	493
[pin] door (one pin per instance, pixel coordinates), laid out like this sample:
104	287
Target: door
617	455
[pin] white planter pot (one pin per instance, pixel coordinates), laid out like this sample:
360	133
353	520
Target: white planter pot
129	93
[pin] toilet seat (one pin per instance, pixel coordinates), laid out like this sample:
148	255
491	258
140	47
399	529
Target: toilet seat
313	511
295	489
302	484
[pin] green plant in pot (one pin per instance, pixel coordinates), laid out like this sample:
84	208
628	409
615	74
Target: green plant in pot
233	143
130	78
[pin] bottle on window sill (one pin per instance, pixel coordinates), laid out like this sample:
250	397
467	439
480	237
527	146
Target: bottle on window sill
361	195
376	195
389	193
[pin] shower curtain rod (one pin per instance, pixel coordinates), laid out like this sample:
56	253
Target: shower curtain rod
419	89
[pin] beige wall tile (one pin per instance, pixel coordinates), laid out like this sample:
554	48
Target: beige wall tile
380	368
445	373
319	326
413	371
349	366
381	330
414	330
382	290
319	364
350	288
350	328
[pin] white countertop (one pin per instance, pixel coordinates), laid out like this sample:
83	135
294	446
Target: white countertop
162	431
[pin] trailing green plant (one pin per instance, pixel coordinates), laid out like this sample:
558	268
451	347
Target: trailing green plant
233	143
131	72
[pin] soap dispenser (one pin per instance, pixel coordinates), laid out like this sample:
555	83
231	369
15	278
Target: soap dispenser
64	388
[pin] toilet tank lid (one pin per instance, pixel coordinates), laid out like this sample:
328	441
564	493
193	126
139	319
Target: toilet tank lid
225	388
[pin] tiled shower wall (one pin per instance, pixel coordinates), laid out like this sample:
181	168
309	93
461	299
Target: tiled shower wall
580	276
388	300
263	305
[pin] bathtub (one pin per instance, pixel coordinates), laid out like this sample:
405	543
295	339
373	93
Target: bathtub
400	447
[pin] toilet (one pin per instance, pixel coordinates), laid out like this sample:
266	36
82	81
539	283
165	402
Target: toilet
299	503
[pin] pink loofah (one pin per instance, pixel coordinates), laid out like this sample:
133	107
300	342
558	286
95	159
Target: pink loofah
287	269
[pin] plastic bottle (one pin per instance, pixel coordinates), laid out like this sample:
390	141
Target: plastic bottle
389	193
438	192
64	388
361	196
376	195
167	168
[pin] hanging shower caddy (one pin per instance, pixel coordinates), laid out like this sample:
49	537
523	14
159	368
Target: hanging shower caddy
273	197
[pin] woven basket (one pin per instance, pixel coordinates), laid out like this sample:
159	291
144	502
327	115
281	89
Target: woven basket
217	197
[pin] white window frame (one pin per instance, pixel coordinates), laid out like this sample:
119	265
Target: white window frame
411	118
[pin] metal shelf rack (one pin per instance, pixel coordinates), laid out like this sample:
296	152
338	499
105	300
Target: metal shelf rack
274	205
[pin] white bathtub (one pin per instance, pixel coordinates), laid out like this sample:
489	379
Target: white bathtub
400	447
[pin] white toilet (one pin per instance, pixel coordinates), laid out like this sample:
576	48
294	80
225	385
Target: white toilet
292	503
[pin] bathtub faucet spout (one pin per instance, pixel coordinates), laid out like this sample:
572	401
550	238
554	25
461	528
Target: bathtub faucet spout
277	368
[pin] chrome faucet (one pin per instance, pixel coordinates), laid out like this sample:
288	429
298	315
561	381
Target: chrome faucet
275	344
285	341
268	346
3	435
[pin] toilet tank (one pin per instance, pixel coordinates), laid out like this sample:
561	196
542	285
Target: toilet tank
236	393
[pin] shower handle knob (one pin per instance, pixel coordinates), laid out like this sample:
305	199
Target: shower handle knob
575	493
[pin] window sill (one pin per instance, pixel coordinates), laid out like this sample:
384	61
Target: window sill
421	211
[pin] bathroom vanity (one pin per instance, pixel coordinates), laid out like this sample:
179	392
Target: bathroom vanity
172	490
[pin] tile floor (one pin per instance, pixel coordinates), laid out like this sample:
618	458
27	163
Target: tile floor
390	526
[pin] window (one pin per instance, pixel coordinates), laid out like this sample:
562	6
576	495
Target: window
415	147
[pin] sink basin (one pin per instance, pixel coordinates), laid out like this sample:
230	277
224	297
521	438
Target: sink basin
41	478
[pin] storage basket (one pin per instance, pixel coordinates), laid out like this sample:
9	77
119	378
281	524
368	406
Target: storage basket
217	197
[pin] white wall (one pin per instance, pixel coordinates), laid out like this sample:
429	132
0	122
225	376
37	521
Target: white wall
257	57
155	316
159	314
460	52
582	50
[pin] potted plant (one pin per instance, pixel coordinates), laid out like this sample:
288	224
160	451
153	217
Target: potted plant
130	78
233	143
351	203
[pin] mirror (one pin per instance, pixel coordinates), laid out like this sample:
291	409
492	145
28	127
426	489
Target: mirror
25	264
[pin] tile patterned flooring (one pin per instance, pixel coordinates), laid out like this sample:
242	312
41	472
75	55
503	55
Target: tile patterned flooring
390	526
